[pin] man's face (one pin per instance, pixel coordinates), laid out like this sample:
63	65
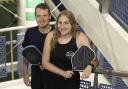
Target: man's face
42	17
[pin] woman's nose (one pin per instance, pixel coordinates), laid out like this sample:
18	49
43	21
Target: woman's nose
62	26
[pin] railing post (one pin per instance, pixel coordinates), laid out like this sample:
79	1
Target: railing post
95	82
11	48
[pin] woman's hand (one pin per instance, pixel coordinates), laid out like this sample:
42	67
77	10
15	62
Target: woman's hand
87	71
67	74
41	67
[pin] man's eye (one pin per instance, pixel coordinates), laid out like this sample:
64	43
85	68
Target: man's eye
37	15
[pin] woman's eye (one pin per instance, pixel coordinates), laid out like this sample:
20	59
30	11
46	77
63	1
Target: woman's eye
66	23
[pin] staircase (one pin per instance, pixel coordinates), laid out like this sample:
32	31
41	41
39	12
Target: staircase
106	33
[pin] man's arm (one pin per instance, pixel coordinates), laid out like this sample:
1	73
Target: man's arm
26	73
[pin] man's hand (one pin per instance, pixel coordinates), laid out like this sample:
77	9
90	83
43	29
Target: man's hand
27	80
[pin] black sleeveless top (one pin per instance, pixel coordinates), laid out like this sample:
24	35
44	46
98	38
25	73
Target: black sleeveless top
60	54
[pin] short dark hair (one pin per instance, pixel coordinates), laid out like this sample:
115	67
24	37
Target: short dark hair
43	6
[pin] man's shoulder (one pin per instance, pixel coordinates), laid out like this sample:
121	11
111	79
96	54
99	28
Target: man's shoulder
51	33
32	29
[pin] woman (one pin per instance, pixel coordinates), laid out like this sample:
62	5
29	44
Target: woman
65	38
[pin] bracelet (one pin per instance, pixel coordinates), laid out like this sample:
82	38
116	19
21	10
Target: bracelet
91	65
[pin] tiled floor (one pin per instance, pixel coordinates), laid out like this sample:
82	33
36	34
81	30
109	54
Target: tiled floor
15	84
19	84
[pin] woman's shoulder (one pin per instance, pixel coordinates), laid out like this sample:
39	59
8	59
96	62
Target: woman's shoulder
80	34
82	39
50	34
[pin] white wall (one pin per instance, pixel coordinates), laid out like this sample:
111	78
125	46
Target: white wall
103	30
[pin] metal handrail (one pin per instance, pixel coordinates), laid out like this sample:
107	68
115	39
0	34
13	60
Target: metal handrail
112	72
20	27
107	72
15	15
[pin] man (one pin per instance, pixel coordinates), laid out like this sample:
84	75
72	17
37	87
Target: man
36	36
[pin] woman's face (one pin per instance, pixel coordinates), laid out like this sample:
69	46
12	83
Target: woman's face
64	25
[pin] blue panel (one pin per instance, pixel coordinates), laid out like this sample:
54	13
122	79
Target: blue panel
106	64
119	84
114	80
120	11
3	70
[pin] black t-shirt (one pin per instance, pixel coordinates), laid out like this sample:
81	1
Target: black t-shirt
34	37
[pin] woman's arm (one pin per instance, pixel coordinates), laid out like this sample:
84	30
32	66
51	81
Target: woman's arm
81	40
46	59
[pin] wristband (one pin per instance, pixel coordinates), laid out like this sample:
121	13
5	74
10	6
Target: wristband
91	65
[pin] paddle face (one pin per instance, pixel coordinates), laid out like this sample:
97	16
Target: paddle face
81	58
32	54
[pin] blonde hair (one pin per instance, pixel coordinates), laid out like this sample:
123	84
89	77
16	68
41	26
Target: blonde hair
72	21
